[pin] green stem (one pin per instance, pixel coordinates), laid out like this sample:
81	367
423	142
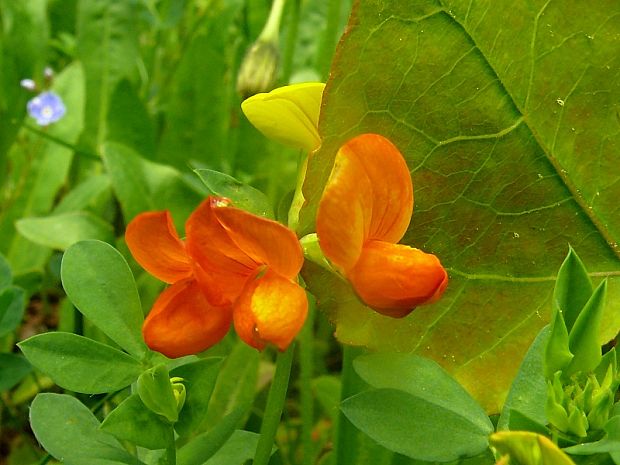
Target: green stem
171	449
345	440
291	41
272	26
330	38
306	359
61	142
275	404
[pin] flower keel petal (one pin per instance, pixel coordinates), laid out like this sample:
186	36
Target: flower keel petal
394	278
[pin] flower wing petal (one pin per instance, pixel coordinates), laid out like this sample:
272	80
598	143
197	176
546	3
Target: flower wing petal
288	114
271	309
183	322
154	243
392	189
265	241
395	278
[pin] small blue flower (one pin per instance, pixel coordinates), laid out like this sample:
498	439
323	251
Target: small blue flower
46	108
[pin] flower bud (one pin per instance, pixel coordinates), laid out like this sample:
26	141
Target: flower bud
259	69
178	390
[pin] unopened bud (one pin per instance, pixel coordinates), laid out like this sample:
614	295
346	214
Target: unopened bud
259	69
28	84
178	389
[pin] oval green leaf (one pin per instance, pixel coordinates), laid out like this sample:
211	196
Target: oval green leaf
414	427
63	230
99	282
70	433
132	421
69	360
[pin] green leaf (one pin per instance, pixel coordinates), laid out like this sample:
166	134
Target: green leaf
107	46
63	230
610	443
528	392
239	448
132	421
141	185
411	425
12	305
155	392
99	282
129	122
6	276
199	379
13	368
70	432
242	195
572	289
424	379
507	119
69	360
583	340
236	383
84	194
205	445
557	351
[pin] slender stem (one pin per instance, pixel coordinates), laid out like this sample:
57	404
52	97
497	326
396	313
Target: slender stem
275	404
306	358
171	449
345	440
330	38
61	142
272	26
291	41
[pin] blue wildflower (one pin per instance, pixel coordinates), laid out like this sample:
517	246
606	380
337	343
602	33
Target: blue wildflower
46	108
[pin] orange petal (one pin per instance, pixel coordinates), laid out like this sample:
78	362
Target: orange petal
271	309
182	322
221	287
265	241
345	211
154	243
209	243
394	278
392	189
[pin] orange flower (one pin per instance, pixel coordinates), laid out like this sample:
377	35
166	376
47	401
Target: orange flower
234	266
364	211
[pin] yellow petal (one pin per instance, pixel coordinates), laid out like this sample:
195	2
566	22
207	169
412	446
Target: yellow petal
272	309
289	114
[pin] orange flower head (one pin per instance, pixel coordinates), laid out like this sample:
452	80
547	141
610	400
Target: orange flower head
233	265
364	211
252	265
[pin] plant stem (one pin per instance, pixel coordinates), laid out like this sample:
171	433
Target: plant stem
306	358
345	440
330	38
61	142
171	449
291	41
275	404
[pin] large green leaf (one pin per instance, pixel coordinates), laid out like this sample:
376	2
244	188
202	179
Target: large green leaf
508	118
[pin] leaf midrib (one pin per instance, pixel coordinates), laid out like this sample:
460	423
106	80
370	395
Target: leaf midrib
581	202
